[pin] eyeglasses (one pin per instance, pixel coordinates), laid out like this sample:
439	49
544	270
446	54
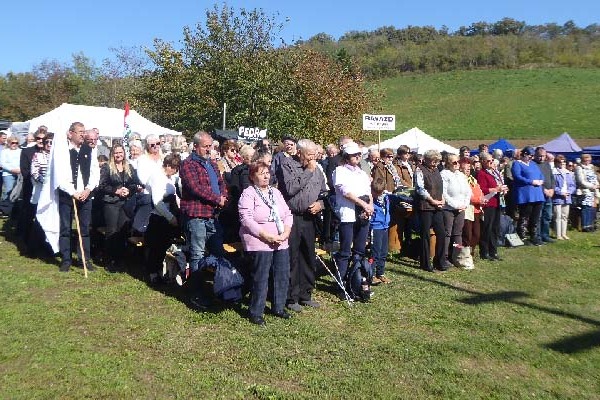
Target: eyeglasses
39	138
14	142
152	144
47	141
454	162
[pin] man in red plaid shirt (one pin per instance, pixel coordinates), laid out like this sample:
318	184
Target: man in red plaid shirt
203	195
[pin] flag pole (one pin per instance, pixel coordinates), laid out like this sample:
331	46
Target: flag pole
85	271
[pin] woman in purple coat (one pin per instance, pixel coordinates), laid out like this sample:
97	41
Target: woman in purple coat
529	196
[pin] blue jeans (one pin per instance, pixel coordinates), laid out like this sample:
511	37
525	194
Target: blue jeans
353	241
201	233
587	216
8	182
545	220
380	249
264	262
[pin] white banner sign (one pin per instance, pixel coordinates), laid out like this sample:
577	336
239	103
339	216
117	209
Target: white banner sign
379	122
251	133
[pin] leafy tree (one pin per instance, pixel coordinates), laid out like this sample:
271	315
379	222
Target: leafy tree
234	60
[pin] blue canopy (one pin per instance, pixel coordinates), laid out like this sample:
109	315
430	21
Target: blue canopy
503	145
562	144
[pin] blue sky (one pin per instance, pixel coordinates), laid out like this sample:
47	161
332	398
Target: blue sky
39	29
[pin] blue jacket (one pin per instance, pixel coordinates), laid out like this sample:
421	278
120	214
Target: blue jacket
381	216
560	178
523	189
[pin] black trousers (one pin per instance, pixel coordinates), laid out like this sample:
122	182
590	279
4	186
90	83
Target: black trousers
66	215
158	238
490	229
302	258
429	219
116	221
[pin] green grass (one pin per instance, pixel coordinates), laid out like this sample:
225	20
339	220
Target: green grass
514	104
528	327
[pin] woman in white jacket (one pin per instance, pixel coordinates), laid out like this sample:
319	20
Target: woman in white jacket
457	197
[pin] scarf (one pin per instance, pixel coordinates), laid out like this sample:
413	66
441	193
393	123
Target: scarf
500	181
273	212
394	172
212	174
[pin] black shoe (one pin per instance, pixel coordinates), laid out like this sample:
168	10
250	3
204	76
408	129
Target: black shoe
64	266
495	258
112	267
548	240
282	314
258	320
90	267
537	242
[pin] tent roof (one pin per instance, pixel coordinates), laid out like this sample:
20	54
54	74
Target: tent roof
562	144
417	140
501	144
108	120
591	148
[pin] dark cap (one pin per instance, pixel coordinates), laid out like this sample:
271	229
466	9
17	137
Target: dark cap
527	151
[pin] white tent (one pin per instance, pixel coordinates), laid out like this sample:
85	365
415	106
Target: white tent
417	140
108	120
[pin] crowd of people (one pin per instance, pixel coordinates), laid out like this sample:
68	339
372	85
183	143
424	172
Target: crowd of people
282	204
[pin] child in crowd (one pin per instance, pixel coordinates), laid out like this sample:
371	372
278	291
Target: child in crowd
380	223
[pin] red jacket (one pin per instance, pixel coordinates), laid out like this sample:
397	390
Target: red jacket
486	182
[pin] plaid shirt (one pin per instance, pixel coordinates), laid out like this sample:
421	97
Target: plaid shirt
197	198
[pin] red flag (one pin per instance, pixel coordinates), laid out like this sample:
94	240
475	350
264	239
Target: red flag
126	114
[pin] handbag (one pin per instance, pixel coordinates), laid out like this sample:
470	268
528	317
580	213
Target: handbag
513	240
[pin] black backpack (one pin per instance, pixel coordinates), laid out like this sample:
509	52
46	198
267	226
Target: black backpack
359	278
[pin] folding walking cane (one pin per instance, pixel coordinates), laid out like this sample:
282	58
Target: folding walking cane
85	272
339	281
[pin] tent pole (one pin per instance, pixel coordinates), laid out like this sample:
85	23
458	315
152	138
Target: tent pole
224	114
379	140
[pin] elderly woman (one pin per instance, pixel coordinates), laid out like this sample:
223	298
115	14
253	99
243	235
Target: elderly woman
39	167
472	226
164	223
180	146
457	197
587	186
10	159
229	158
118	182
429	187
151	162
355	206
564	188
387	171
528	194
266	223
136	149
492	185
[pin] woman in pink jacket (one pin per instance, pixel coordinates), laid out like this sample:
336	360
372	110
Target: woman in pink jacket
266	222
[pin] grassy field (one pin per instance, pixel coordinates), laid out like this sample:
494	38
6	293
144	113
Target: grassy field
488	104
527	327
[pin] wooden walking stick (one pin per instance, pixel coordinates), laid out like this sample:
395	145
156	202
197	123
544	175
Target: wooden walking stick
80	239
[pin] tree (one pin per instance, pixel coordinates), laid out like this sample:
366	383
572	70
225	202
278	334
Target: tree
234	59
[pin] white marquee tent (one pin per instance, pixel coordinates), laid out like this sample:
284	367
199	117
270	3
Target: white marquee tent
108	120
417	140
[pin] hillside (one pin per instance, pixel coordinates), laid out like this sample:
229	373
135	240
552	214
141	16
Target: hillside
529	105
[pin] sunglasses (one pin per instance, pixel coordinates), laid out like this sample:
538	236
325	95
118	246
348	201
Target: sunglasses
14	142
47	141
391	157
152	144
39	138
454	162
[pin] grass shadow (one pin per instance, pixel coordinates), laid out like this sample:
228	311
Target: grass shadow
569	344
576	343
